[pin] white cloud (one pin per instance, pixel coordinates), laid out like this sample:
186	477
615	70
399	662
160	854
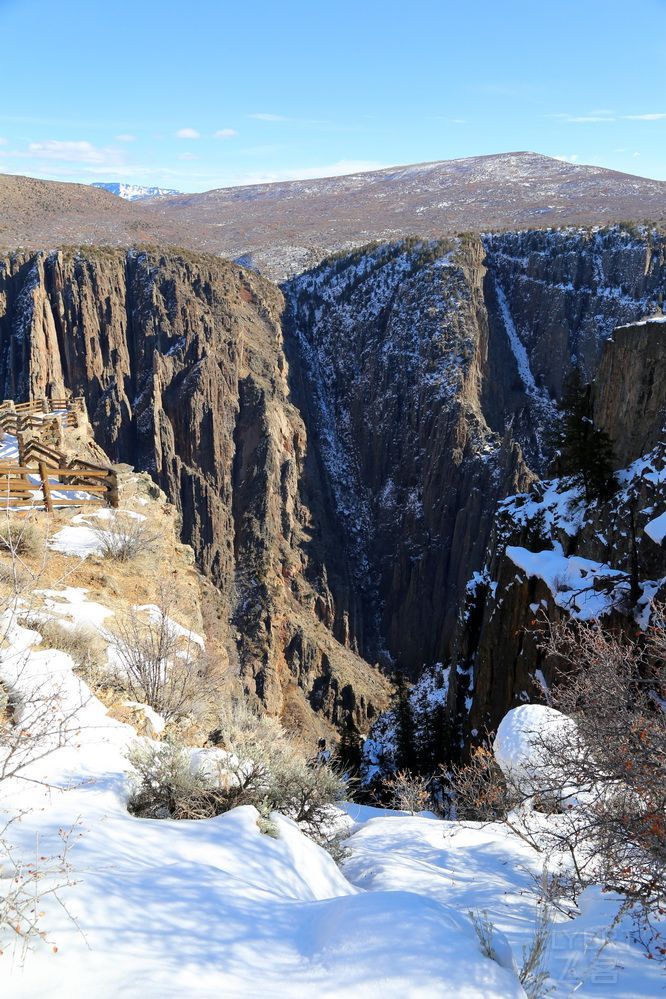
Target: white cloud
187	133
262	116
126	137
338	169
593	117
635	155
3	142
187	156
225	133
588	119
572	158
70	152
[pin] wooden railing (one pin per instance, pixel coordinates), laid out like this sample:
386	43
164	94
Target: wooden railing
17	417
19	485
42	467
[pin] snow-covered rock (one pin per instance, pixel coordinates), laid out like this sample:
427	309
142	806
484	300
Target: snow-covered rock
134	192
522	746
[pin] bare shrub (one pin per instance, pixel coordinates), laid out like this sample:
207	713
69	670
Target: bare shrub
259	766
165	786
479	789
601	776
613	686
124	538
408	791
28	884
484	929
81	643
533	975
19	537
159	663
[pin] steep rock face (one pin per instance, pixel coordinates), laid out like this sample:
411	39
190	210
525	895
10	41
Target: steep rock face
554	555
630	391
394	346
339	487
557	296
180	360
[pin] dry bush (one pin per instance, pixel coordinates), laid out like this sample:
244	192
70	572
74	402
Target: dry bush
485	931
479	789
158	665
602	778
614	687
165	787
261	767
28	883
124	538
533	975
408	791
20	537
83	644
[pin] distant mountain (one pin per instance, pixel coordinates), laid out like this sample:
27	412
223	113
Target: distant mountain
282	229
135	192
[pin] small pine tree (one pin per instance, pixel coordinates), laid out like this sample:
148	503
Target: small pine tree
350	748
406	750
585	451
537	537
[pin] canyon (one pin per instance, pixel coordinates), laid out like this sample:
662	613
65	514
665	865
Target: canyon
336	447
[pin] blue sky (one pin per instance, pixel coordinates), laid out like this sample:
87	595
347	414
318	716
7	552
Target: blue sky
209	94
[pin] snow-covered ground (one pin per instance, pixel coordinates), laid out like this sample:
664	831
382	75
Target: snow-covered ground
220	908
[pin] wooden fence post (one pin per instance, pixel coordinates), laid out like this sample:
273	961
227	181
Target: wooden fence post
113	489
46	487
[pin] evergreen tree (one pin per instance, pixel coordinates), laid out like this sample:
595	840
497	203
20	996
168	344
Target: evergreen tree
585	451
350	748
405	737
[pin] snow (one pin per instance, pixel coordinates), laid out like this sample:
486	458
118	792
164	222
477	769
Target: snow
135	192
571	580
516	344
657	318
559	501
211	907
656	529
216	907
82	540
518	745
486	868
155	615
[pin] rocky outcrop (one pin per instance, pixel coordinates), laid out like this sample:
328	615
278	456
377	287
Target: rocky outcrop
337	455
393	348
630	390
180	360
553	556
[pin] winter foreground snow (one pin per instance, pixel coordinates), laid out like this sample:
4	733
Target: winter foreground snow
219	908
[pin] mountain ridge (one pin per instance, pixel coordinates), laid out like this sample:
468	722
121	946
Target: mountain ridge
284	228
133	192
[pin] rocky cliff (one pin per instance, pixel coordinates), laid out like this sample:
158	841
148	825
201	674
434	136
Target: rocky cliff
337	454
555	556
180	360
630	389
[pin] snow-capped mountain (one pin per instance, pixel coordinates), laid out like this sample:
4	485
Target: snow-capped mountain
135	192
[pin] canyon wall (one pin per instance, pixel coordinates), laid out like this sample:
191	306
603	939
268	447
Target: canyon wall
337	449
180	359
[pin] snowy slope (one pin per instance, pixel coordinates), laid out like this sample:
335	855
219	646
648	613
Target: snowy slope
217	908
204	908
135	192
